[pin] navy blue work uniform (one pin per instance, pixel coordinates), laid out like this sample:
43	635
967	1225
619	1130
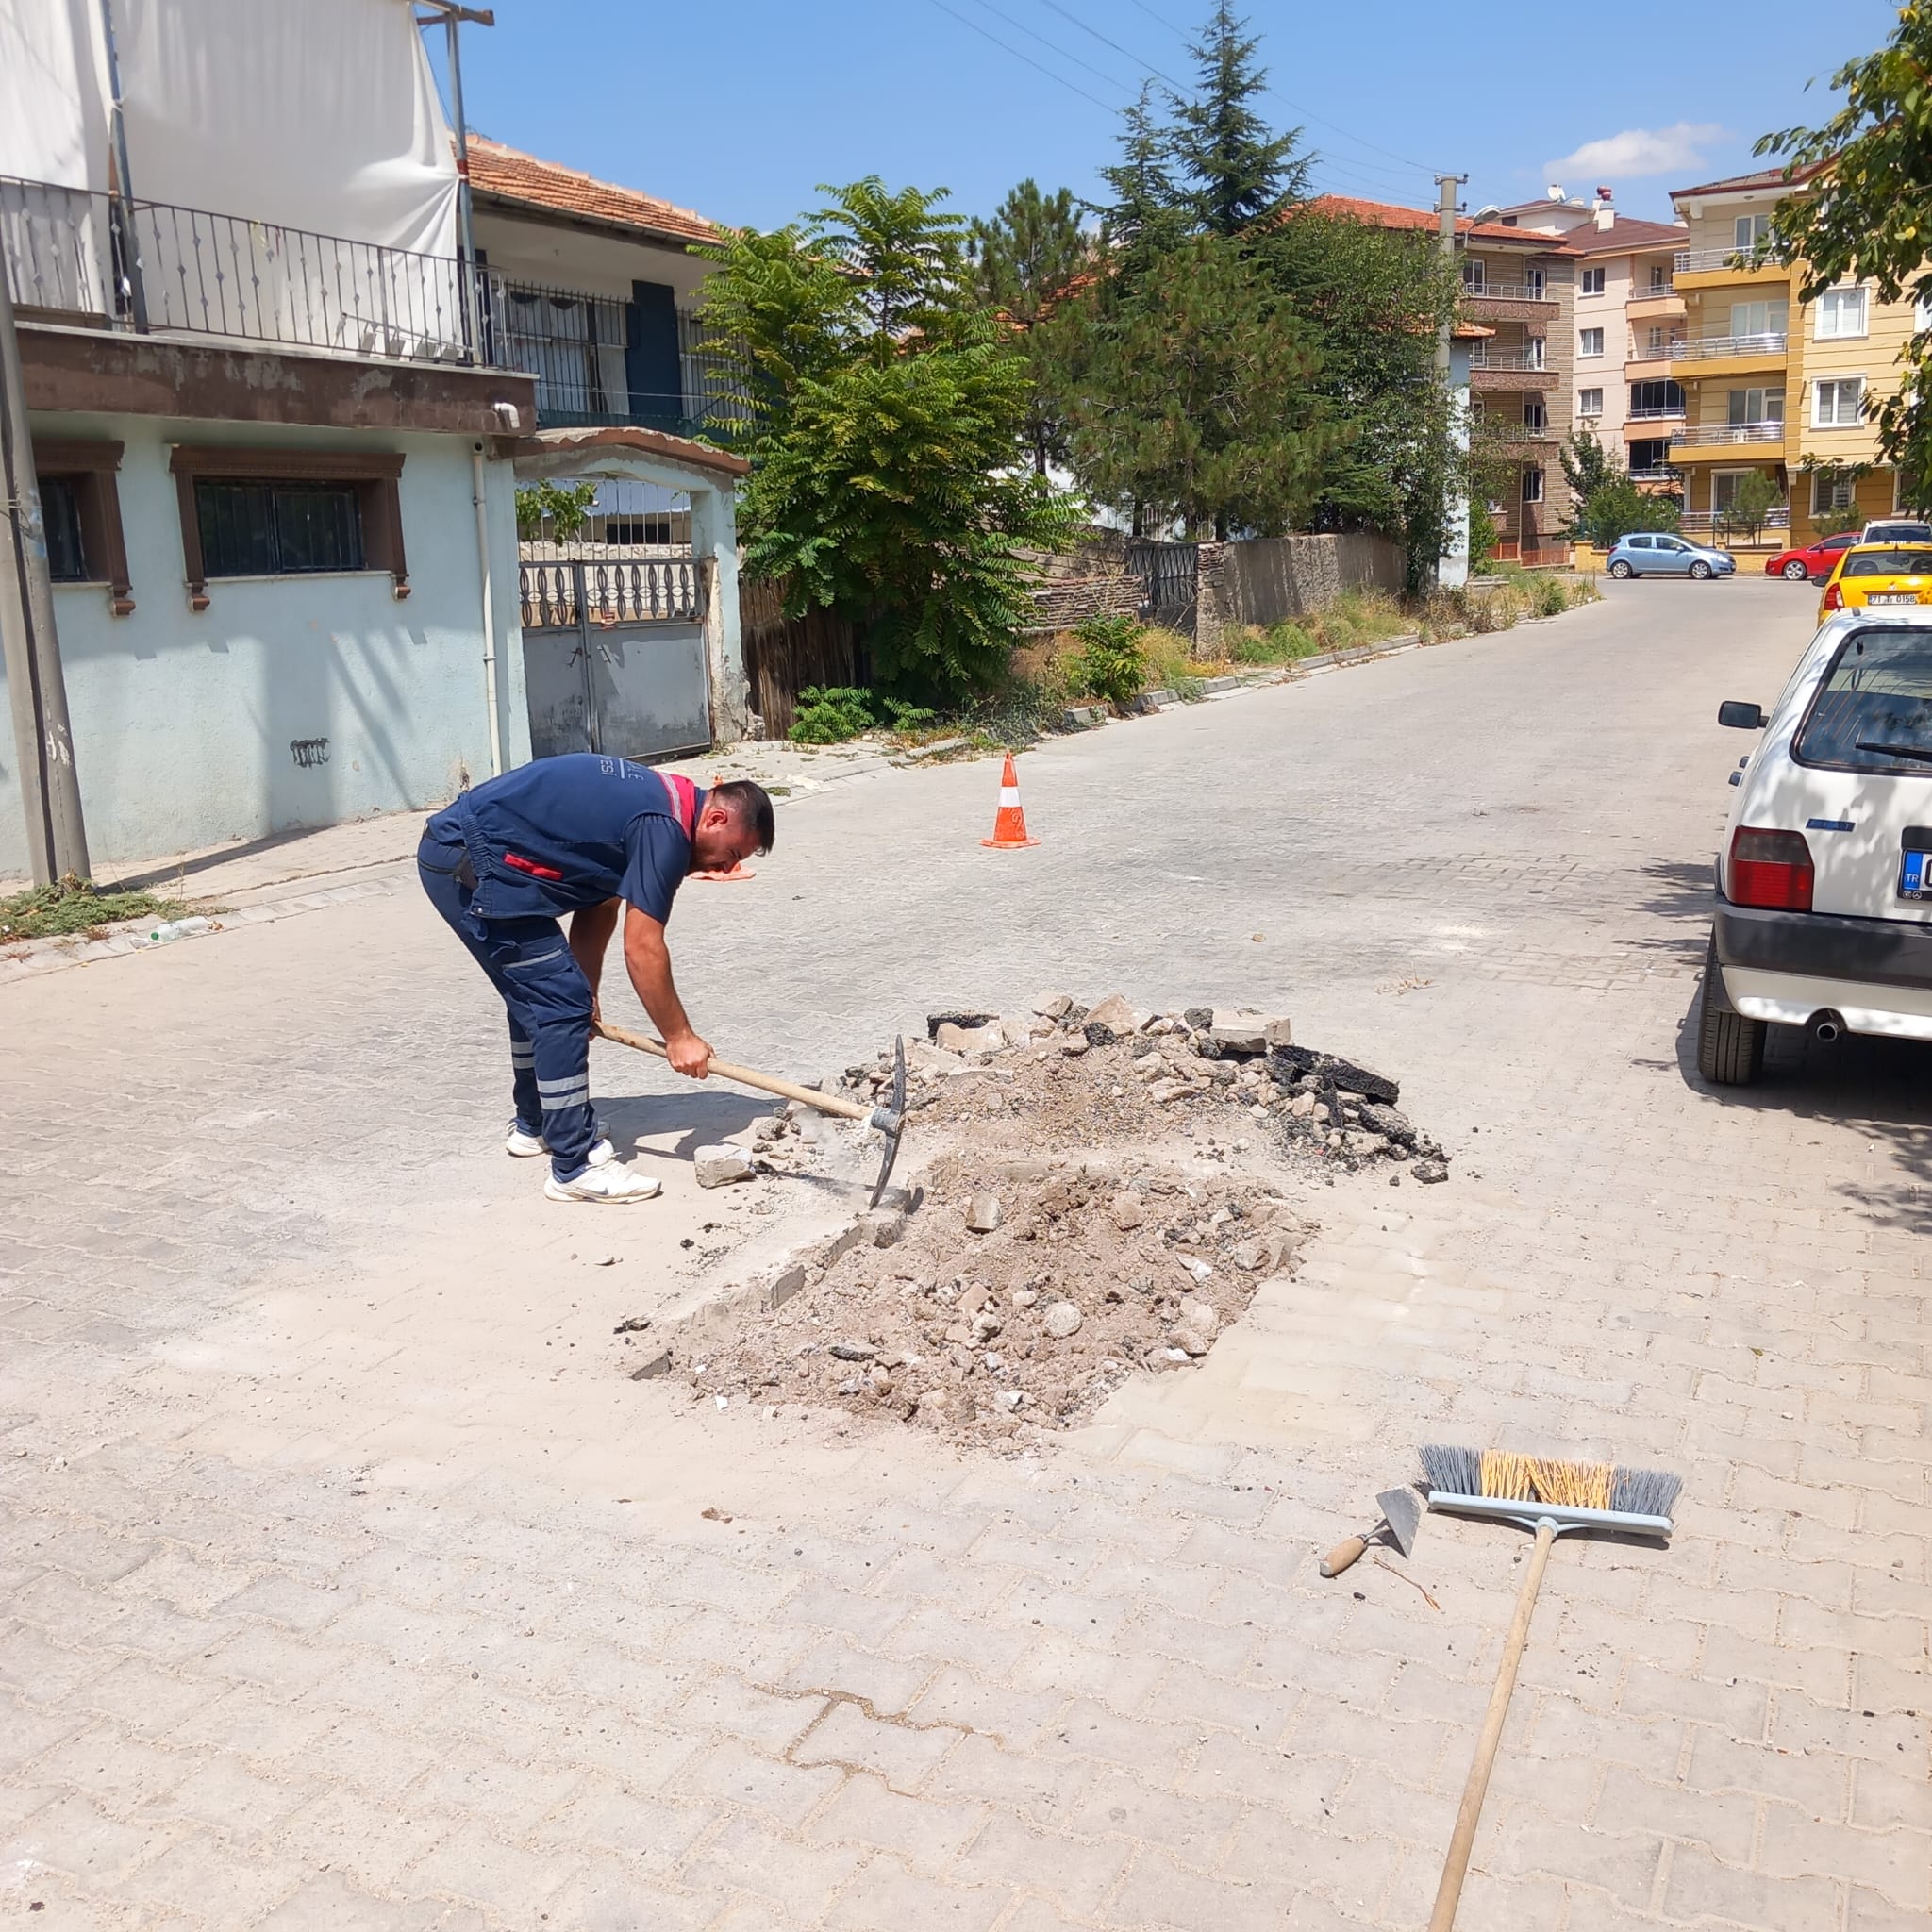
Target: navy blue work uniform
507	859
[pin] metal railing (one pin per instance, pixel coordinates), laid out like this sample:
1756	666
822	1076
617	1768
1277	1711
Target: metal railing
78	255
1485	356
575	344
1693	521
654	589
1701	261
1510	291
1658	473
1663	411
1516	430
1654	352
1700	348
1724	433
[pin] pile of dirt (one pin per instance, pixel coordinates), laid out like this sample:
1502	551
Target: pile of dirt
1019	1295
1106	1192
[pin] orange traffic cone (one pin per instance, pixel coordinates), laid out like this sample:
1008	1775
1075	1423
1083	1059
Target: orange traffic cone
740	872
1010	823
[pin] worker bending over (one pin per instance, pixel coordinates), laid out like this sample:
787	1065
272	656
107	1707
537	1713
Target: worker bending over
578	834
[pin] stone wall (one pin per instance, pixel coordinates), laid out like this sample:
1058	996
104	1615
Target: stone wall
1264	579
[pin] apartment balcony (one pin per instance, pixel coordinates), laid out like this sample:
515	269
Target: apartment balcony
1710	268
88	261
1646	425
1523	438
1509	369
596	366
1720	442
1510	302
1766	350
1656	305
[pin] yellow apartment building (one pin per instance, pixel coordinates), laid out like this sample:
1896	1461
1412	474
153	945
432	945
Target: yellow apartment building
1772	384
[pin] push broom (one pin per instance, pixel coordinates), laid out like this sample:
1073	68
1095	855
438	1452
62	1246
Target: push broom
1550	1498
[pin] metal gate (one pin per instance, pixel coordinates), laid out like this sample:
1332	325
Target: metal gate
1168	581
614	656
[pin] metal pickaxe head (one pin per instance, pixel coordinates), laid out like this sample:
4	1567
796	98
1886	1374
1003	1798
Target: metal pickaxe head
891	1120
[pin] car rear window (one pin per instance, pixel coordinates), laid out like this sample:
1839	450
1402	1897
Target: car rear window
1873	712
1887	563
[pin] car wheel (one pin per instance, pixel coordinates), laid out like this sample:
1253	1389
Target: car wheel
1730	1048
1700	570
1796	572
1621	569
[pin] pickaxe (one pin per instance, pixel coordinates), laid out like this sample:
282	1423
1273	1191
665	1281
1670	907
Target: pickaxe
888	1120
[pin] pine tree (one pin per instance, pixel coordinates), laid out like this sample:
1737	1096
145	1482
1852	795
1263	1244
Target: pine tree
1239	174
1026	260
1197	402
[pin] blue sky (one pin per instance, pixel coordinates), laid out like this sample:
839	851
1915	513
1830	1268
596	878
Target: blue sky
740	110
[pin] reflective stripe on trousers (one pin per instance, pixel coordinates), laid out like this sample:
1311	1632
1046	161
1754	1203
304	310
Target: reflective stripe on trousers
548	1002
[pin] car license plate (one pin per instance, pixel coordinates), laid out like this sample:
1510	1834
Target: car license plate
1915	876
1893	598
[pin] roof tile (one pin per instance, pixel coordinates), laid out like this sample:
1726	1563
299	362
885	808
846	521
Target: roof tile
506	173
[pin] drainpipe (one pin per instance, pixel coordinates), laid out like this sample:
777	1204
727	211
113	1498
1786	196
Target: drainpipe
489	611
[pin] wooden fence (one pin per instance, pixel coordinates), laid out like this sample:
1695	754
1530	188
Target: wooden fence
784	655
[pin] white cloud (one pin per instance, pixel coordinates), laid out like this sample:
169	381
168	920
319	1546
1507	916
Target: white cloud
1638	152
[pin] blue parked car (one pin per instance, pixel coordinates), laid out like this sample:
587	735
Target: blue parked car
1657	554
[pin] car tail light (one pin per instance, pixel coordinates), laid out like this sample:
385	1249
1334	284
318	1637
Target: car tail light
1834	597
1771	868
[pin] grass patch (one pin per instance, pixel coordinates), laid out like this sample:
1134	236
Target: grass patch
48	913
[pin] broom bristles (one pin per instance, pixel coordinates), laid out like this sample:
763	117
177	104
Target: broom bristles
1505	1474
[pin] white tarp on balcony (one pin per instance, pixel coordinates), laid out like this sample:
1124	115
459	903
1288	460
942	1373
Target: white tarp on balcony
315	114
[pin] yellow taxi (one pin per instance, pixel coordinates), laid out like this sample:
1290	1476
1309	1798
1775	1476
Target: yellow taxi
1880	575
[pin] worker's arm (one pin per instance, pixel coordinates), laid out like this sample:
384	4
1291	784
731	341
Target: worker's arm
590	928
647	959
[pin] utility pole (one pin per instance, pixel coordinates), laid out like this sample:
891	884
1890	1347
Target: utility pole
1446	185
42	740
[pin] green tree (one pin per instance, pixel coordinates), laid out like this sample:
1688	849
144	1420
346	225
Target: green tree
1616	506
1238	174
1868	213
1754	496
1024	261
1376	300
1197	401
563	508
1587	467
887	401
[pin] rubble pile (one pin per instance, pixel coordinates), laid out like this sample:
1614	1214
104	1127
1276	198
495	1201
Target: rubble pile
1107	1189
1016	1297
1203	1067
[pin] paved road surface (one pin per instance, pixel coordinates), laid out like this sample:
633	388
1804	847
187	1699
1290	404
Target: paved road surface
348	1586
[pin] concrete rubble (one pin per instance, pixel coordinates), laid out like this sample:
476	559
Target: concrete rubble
1102	1192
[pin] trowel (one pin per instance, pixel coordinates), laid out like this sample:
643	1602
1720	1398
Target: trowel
1402	1511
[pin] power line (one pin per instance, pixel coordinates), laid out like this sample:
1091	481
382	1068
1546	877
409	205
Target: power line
1072	86
1065	53
1161	19
1146	65
1335	127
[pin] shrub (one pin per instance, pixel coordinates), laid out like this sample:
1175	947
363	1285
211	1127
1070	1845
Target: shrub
907	717
1548	596
829	714
1109	664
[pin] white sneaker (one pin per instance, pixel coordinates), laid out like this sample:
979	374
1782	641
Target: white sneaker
522	1145
610	1182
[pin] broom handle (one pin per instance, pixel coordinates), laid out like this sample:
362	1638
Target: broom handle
1456	1866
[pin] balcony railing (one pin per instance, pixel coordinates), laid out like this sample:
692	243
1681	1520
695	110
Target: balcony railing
1516	431
1666	410
1656	352
1510	291
1689	262
1701	349
1486	356
1693	522
574	342
1721	433
1656	473
74	255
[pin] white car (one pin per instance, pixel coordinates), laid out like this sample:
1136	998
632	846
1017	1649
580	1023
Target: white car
1825	878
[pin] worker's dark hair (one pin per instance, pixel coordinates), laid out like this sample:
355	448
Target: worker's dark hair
752	806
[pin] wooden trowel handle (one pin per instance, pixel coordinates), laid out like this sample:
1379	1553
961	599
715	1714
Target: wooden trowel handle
1343	1555
744	1077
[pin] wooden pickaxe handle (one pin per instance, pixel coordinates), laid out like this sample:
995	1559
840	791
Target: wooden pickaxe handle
746	1076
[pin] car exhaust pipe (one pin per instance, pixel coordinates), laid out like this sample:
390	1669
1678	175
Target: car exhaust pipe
1826	1027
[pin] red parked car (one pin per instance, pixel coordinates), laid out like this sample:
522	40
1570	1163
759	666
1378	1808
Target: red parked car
1815	561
